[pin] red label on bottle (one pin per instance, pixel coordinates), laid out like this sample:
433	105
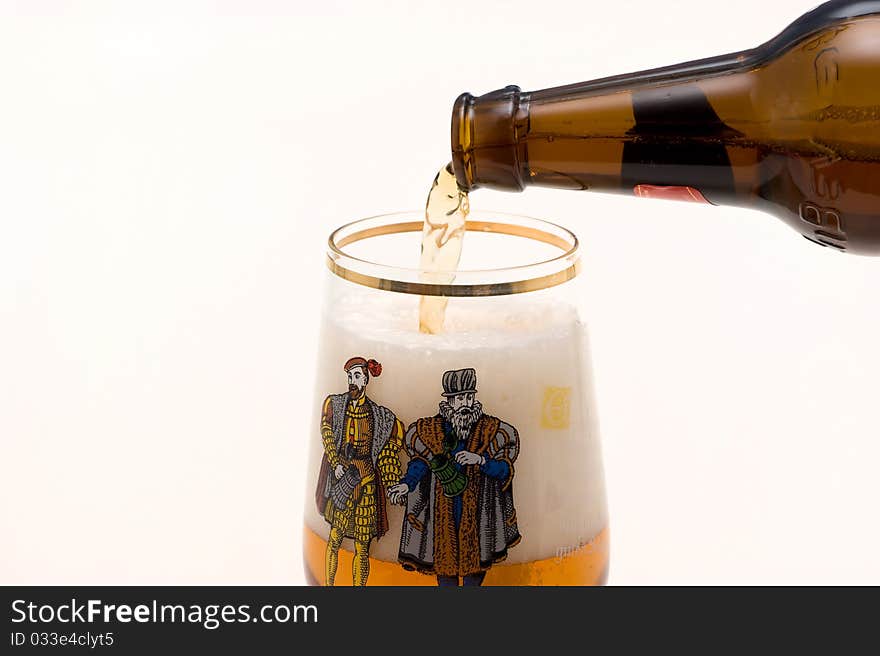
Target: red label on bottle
687	194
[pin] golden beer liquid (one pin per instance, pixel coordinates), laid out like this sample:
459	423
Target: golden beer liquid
586	564
446	214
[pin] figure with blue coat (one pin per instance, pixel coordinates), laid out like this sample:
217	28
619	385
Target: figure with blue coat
460	517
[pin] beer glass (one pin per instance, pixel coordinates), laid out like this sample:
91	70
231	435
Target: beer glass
469	457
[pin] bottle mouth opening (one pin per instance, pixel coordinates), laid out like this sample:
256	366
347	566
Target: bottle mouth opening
543	255
462	142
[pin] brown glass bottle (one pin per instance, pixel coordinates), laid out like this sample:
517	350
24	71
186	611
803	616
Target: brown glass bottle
791	128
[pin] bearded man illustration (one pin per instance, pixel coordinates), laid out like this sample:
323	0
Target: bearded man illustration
362	443
460	518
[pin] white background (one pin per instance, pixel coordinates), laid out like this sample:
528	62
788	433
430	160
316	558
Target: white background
168	176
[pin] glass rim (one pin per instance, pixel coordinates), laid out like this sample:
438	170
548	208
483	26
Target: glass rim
528	277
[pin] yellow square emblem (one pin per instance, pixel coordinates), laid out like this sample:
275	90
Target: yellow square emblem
556	411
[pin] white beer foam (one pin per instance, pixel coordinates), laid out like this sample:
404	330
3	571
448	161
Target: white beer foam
528	353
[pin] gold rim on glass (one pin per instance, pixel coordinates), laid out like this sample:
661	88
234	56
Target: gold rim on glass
463	283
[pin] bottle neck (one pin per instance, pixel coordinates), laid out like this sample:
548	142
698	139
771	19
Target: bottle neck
489	140
609	136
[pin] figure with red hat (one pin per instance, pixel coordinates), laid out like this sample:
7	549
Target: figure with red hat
362	443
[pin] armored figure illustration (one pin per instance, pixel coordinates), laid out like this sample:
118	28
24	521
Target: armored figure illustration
460	518
362	443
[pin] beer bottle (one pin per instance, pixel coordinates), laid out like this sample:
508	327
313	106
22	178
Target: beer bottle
791	127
